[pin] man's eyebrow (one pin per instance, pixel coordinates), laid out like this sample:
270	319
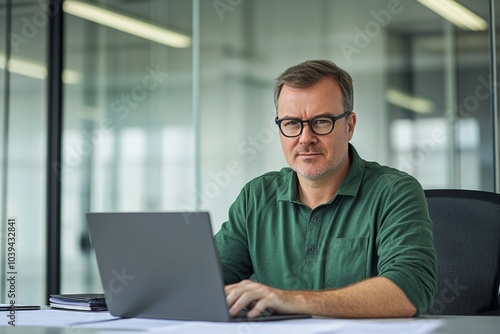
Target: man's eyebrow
327	114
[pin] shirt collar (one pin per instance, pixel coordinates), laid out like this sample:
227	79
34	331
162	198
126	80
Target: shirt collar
352	181
288	190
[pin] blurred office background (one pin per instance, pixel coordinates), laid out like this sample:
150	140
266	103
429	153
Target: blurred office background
184	122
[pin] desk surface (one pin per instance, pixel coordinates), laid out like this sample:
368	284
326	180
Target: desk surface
57	321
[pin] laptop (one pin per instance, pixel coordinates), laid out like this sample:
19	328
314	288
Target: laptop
161	265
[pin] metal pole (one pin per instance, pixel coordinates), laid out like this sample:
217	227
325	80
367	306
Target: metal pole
451	109
54	164
494	108
196	102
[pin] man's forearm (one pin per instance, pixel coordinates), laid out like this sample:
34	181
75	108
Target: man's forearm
377	297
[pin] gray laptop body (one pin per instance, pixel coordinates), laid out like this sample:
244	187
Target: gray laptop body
160	265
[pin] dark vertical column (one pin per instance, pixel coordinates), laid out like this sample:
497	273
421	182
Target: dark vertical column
54	164
495	115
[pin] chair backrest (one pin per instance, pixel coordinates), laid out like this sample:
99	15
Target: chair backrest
466	225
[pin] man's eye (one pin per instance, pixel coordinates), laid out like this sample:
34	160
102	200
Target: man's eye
323	122
290	123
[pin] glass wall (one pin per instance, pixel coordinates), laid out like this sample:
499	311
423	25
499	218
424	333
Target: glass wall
23	110
146	129
444	137
128	135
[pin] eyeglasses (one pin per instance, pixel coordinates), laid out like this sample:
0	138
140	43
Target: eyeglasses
320	125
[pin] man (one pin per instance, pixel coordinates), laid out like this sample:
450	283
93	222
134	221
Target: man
333	235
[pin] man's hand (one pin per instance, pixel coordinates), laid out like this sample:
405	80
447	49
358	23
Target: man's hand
376	297
258	298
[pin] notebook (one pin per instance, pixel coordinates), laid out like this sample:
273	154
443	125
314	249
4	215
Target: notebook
161	265
79	302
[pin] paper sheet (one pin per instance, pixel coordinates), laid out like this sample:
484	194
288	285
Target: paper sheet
309	326
390	326
295	326
83	319
104	321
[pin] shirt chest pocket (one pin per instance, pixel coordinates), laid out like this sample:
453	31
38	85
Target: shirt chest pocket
345	261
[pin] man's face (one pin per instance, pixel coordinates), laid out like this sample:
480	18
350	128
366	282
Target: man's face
315	156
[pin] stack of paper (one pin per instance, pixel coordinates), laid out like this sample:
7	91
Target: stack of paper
82	302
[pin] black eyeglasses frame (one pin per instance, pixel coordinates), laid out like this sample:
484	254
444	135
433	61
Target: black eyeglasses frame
309	121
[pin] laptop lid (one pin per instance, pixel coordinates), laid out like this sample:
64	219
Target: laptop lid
159	265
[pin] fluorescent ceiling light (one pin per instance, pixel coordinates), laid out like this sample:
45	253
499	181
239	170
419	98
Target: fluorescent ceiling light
406	101
126	24
456	14
71	77
36	70
26	68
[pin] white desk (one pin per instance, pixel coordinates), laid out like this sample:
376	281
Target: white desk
54	321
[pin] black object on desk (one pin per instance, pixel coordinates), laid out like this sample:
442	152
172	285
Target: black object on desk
15	307
80	302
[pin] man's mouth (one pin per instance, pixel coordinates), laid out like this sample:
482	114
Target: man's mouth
308	154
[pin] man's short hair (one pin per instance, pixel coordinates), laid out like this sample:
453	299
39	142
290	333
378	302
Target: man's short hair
310	72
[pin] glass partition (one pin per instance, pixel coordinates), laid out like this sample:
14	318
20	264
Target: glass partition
23	101
128	134
439	104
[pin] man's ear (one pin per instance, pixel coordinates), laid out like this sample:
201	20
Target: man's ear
351	124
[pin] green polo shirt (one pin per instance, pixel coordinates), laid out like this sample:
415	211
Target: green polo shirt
376	225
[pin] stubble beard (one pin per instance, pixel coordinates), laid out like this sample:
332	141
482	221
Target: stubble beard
312	173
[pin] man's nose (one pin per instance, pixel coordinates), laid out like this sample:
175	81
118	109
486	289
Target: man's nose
307	136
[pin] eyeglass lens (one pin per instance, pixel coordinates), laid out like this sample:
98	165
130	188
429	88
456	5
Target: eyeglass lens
293	127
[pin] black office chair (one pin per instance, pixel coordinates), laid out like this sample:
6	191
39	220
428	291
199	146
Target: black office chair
466	225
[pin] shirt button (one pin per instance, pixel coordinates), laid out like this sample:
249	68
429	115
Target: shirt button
311	249
313	219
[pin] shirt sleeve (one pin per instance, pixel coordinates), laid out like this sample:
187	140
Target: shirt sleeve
232	243
405	242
